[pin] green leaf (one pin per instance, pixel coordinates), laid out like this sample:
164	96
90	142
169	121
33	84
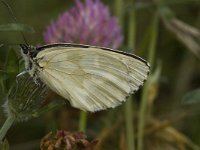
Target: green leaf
3	75
4	145
11	67
155	76
16	27
192	97
143	45
1	45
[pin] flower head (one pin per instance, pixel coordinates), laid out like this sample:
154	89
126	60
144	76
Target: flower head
86	23
25	98
67	141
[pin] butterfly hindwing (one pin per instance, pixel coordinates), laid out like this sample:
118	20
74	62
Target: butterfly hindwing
91	78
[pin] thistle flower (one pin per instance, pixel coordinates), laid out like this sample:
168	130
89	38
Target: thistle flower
25	98
88	23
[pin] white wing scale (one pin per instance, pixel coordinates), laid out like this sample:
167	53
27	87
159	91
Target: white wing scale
90	78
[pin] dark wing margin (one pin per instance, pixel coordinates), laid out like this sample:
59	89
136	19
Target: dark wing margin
89	46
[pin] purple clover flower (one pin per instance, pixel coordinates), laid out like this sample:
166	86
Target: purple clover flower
86	23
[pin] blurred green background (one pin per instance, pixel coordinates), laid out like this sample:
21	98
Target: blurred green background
170	122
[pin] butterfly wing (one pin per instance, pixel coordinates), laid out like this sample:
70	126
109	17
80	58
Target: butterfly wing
91	78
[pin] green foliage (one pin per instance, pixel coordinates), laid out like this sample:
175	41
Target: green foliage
9	72
16	27
192	97
12	66
1	45
168	50
4	145
11	69
166	12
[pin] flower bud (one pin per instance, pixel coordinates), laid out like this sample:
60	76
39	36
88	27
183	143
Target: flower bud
25	97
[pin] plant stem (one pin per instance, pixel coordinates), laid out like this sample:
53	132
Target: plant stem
6	126
144	99
83	121
129	124
132	27
119	10
129	104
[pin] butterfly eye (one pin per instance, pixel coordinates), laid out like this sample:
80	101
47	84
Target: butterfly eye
24	48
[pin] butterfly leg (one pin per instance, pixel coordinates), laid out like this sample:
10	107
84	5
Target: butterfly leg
21	73
36	80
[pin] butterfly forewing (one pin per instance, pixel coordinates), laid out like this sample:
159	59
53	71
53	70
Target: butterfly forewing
91	78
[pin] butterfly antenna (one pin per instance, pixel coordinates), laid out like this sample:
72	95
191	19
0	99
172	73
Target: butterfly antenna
14	18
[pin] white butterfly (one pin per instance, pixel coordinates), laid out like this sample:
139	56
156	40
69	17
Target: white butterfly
91	78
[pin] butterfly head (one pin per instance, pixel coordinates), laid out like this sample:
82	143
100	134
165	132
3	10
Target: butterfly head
28	53
25	49
28	50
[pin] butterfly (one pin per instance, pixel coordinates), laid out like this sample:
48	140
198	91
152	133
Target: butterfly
91	78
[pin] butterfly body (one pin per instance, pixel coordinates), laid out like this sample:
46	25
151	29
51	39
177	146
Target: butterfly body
91	78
